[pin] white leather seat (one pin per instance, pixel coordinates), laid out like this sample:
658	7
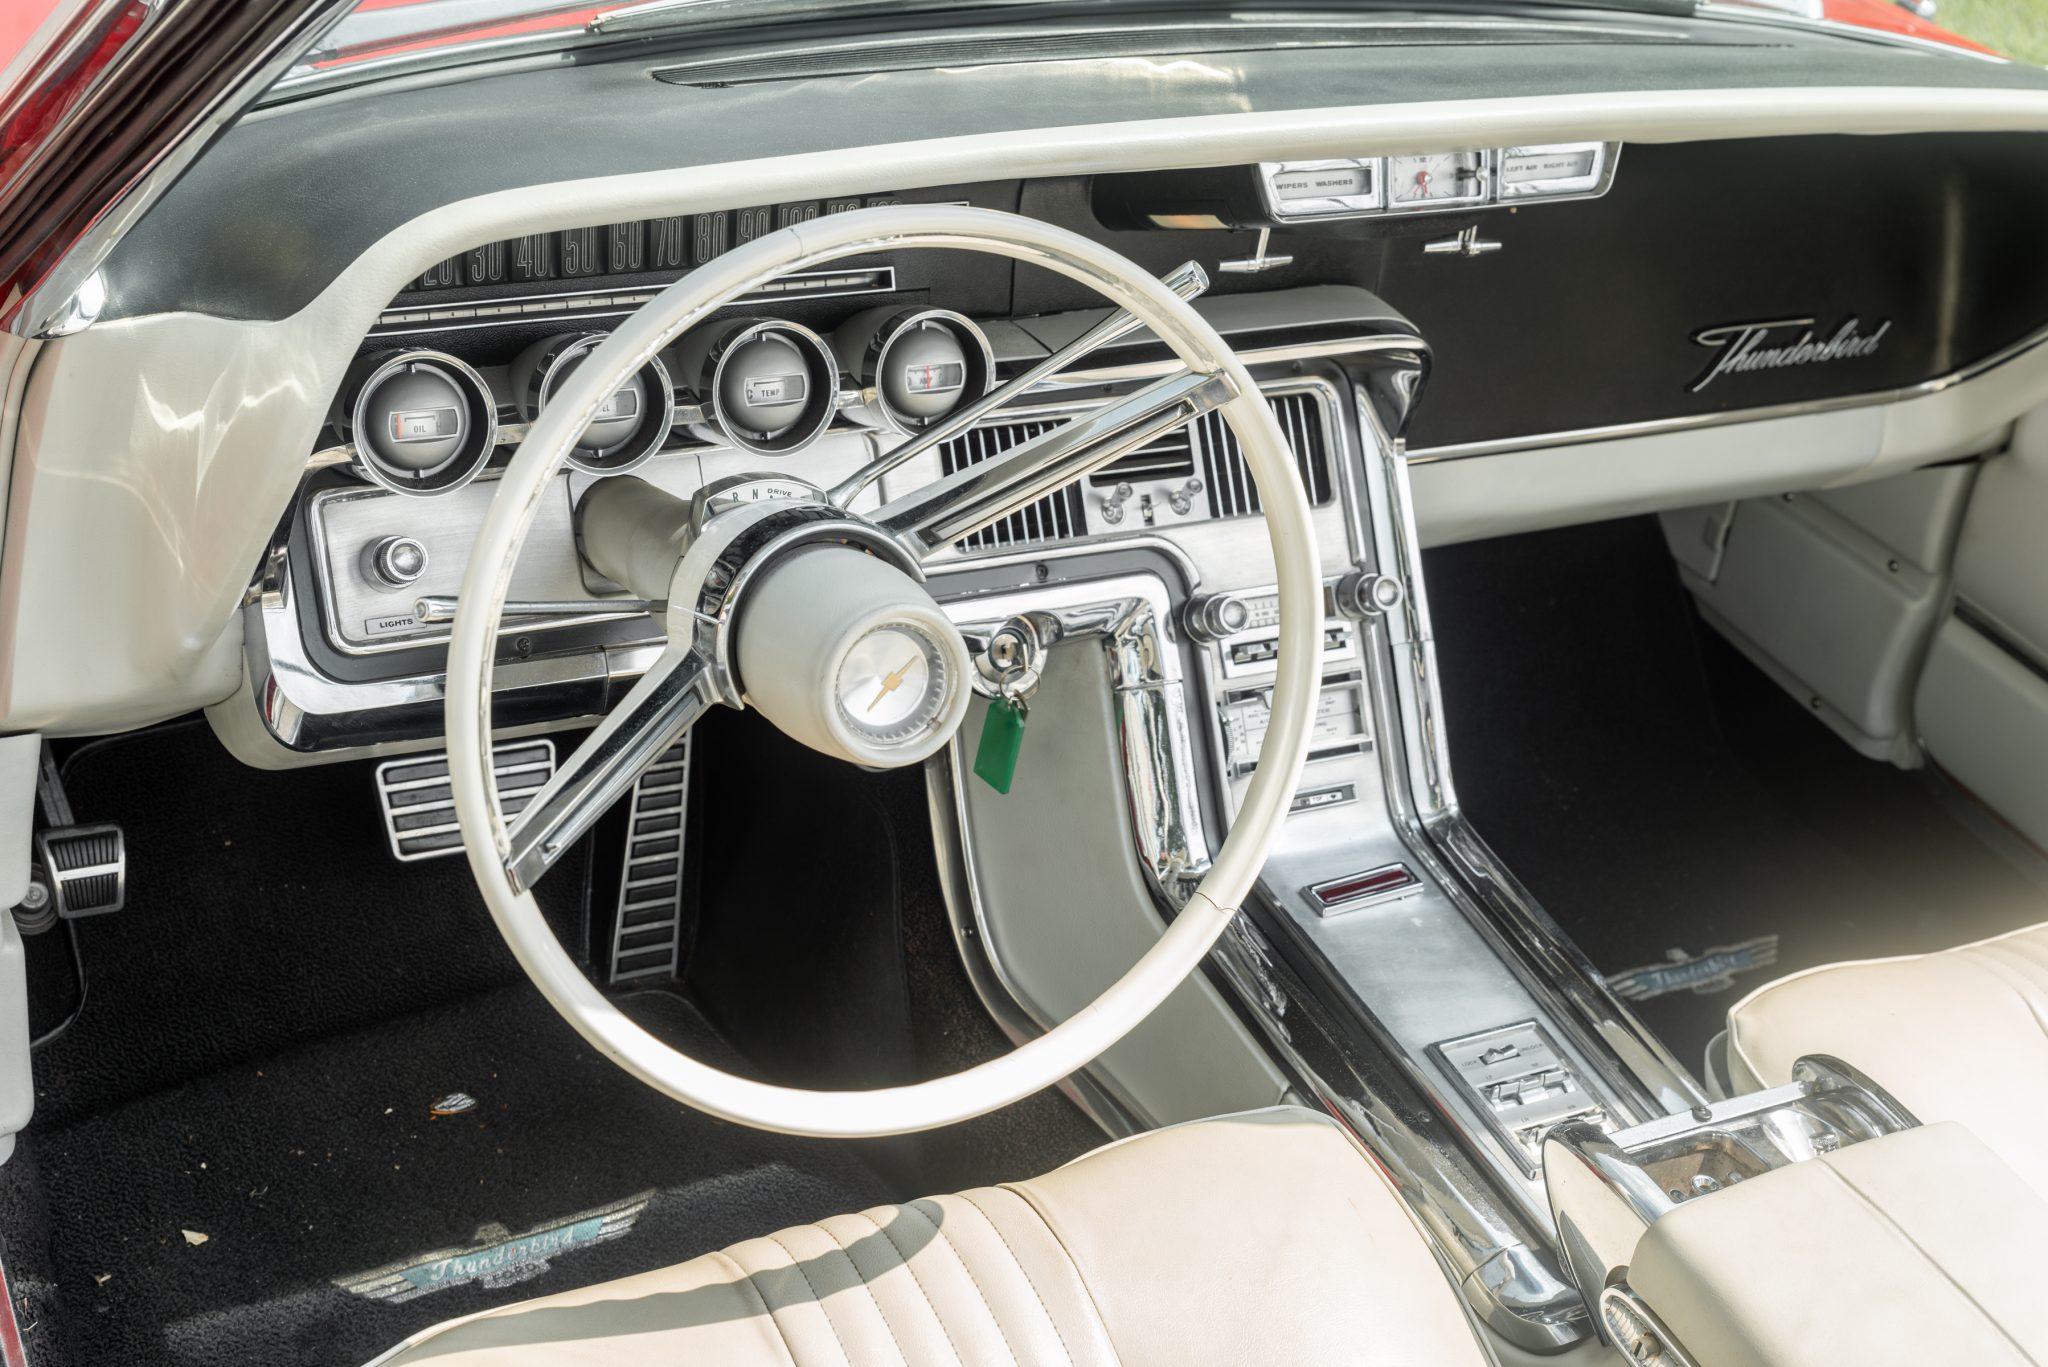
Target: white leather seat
1957	1035
1259	1238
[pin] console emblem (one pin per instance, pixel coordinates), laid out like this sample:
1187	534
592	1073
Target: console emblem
1704	974
1744	347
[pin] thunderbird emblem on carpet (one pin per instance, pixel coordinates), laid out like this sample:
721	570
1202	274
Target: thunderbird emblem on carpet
498	1257
1705	974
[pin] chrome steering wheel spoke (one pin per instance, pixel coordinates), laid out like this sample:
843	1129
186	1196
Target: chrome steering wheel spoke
653	716
940	513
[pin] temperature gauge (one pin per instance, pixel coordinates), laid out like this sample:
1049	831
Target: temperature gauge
1436	180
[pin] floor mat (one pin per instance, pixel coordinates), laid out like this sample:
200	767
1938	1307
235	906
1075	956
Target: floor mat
264	910
216	1222
1656	792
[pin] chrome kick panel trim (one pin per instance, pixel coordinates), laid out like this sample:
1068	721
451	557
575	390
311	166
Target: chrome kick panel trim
647	932
419	808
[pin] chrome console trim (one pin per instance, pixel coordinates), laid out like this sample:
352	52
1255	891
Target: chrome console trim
1607	1188
1428	802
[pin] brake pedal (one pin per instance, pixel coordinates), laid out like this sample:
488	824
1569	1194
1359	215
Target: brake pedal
419	806
647	933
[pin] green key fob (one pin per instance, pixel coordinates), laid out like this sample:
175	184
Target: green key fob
1002	736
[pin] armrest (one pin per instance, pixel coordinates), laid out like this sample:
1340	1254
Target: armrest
1918	1247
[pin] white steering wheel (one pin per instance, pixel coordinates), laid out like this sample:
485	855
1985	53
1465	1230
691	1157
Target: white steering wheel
778	603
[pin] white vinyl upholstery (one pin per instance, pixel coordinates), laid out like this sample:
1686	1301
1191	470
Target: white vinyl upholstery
1267	1237
1897	1252
1957	1035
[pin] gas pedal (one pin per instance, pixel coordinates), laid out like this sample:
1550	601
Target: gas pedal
647	934
419	808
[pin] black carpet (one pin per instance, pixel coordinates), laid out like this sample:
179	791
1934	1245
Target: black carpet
830	961
325	1162
264	910
1655	791
268	1023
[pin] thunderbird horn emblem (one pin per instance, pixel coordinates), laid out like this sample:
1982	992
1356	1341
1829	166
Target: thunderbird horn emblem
1741	348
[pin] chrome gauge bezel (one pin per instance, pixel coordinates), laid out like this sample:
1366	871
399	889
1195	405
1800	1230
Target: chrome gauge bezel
480	432
1492	192
979	355
1593	182
1481	193
822	375
1323	208
655	423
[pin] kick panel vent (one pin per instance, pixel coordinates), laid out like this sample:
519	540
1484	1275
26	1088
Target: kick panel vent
1206	448
419	806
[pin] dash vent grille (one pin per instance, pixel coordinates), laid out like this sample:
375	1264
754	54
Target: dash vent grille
1227	477
1056	517
1207	446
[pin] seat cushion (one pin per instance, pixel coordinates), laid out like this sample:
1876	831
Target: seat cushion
1260	1238
1956	1035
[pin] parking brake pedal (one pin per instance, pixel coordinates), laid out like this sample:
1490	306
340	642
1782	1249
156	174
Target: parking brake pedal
85	867
419	807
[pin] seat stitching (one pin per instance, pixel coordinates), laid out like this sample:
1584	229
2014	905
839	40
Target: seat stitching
880	1309
816	1299
968	1197
972	1280
1017	1190
918	1281
780	1335
1941	1269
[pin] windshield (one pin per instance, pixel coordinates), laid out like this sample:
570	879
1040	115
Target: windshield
388	34
390	31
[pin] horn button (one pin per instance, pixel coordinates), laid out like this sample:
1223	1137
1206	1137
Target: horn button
849	655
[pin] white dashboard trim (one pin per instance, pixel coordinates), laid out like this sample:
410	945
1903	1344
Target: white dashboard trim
154	506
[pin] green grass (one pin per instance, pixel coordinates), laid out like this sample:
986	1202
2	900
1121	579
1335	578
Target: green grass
2017	28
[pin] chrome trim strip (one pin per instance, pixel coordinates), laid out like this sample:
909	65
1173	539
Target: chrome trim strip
1429	455
520	309
1571	988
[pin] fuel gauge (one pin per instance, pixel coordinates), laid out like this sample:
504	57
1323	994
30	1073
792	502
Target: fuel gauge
1436	180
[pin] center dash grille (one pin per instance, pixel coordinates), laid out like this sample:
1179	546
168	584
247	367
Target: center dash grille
1227	477
1206	447
1056	517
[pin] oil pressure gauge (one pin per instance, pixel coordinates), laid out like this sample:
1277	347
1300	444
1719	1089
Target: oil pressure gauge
1436	180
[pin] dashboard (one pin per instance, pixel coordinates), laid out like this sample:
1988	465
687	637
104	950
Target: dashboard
1877	299
813	374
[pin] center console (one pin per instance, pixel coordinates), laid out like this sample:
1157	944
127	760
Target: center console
1387	966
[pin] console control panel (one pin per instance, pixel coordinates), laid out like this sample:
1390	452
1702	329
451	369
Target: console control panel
1523	1083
